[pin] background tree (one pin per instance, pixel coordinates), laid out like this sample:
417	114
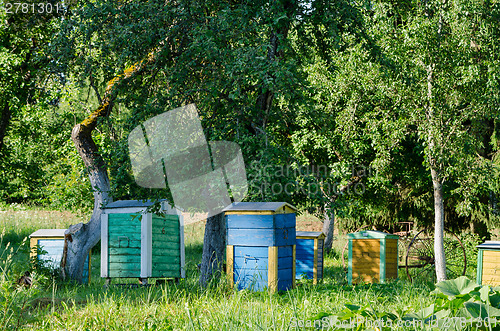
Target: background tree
441	49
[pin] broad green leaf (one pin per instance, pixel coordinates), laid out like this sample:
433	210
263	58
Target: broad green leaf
423	314
485	294
495	299
479	309
454	287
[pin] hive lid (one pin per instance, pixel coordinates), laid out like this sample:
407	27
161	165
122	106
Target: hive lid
489	244
310	234
129	204
369	234
48	233
275	207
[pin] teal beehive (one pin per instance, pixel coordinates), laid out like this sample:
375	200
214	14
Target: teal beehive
136	243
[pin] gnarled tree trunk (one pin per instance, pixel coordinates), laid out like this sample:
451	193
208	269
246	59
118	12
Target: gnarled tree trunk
80	238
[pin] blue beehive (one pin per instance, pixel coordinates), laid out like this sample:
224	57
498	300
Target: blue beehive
309	255
51	242
261	245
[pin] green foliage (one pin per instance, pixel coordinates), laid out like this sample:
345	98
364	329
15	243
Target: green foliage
473	306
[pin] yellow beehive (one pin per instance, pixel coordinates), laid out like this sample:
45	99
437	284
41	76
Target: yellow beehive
373	257
488	263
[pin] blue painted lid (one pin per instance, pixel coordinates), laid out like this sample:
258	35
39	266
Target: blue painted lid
489	244
258	206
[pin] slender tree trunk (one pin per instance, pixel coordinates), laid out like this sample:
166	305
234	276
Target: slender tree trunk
5	115
440	260
328	227
214	244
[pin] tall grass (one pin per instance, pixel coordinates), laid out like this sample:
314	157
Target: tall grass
51	304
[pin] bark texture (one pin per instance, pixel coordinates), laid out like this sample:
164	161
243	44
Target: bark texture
328	227
440	260
80	238
214	244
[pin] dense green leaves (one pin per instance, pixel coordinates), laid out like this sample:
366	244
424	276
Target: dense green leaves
328	100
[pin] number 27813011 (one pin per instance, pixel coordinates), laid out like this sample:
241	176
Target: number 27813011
32	8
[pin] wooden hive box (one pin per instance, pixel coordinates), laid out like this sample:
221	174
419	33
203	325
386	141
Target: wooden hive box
261	245
373	257
309	255
488	263
137	243
51	241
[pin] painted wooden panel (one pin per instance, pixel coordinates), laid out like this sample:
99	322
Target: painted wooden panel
261	237
257	280
305	259
489	265
251	266
125	258
144	244
365	260
491	280
124	239
285	220
123	273
166	257
250	222
321	244
391	259
52	249
491	256
260	221
285	251
256	251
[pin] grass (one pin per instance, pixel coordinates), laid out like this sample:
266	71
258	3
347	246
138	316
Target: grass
51	304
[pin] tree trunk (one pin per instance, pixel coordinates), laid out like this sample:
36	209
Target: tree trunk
328	227
214	244
440	260
4	122
80	238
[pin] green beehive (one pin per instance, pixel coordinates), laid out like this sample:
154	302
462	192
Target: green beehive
139	244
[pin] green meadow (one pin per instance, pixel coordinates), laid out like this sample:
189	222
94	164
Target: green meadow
50	304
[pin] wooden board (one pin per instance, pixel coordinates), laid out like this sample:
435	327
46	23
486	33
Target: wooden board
365	259
260	221
52	248
261	237
165	255
305	256
391	258
124	239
